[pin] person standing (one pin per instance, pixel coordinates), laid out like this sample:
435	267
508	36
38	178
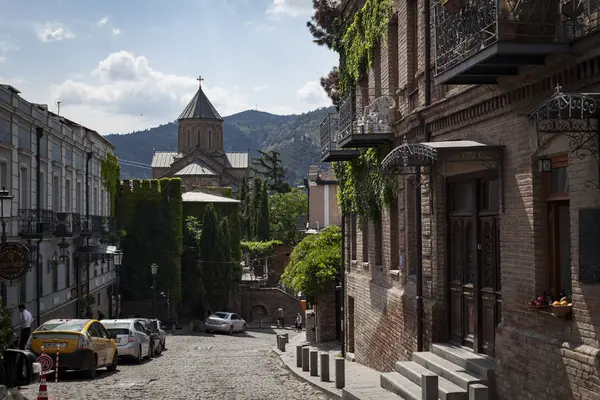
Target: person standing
298	321
25	324
280	317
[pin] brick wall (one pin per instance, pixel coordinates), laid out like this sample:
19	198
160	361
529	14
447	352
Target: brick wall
325	313
537	354
264	302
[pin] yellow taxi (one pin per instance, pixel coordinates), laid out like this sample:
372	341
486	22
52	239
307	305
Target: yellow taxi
82	345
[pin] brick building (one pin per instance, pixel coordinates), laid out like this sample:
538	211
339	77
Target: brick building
496	158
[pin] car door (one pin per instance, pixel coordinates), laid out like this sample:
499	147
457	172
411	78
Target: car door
98	343
144	339
235	322
109	352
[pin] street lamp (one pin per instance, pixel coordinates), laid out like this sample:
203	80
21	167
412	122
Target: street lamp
5	209
154	269
63	249
118	259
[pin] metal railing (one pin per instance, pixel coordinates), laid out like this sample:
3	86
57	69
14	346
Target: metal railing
480	23
329	130
28	222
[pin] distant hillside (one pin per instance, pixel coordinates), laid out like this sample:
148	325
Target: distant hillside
296	137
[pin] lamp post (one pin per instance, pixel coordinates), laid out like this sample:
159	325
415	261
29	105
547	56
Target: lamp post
118	258
5	209
63	251
154	269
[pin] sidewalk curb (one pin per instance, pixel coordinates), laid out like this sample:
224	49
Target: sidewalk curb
297	372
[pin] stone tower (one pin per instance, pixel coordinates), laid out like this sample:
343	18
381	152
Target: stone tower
200	125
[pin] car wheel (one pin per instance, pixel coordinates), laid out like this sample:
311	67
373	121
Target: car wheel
244	328
115	362
91	373
139	355
231	330
158	349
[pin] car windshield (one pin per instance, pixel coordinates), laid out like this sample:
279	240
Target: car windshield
117	326
220	315
119	331
74	326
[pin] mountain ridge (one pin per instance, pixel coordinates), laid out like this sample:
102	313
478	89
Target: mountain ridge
295	136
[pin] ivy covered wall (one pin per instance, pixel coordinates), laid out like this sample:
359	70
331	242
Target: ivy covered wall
149	218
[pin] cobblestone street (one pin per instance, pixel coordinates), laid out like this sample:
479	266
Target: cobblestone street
203	366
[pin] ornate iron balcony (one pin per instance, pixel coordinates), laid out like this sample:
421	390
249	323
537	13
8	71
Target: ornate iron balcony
477	41
330	150
29	225
66	224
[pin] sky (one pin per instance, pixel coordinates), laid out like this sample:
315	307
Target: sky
123	65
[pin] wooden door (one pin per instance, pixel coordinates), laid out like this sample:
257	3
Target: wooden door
473	277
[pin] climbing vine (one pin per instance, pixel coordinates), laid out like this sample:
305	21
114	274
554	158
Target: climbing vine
358	43
110	174
364	188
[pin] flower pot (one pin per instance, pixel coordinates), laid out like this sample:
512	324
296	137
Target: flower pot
452	6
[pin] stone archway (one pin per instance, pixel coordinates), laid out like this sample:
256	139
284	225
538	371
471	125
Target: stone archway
257	312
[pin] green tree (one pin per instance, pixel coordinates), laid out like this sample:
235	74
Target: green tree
270	167
190	257
227	263
255	206
212	262
315	262
283	210
244	210
262	219
6	328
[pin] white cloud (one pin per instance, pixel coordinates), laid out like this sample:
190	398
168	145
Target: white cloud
293	8
103	21
312	93
124	85
53	32
116	31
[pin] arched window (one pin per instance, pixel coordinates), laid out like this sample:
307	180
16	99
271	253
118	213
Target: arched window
209	139
198	142
188	138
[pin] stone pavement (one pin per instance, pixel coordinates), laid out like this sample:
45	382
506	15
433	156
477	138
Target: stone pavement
362	383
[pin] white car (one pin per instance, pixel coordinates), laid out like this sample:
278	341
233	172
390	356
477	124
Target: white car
132	339
224	322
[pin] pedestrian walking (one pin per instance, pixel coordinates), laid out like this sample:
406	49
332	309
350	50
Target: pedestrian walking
25	324
280	317
298	323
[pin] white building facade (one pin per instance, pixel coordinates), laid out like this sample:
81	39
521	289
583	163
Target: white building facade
73	206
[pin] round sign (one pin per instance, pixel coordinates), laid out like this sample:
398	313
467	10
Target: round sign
46	361
14	261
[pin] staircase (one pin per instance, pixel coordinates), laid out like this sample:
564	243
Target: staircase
457	369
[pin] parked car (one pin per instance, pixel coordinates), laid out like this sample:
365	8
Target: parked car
82	344
132	339
224	322
160	336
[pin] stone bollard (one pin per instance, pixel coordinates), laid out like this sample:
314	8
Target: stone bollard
340	373
286	336
299	356
278	342
478	392
283	342
314	363
429	386
305	358
325	366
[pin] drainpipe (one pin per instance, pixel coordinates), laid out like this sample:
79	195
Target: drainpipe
88	223
343	276
39	131
418	215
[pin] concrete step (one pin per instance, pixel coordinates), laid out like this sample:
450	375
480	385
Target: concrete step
400	385
368	393
447	370
446	389
481	366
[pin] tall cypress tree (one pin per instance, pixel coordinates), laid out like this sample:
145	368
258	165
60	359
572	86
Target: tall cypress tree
226	270
212	262
255	206
262	225
244	216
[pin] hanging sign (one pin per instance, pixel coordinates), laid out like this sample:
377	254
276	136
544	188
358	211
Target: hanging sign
14	261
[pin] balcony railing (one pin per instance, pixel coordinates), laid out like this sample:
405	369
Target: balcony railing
330	149
96	225
28	222
477	41
368	127
66	224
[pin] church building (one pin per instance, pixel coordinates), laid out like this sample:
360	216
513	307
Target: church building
201	161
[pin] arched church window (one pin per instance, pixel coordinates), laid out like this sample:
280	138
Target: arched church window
198	142
210	139
188	138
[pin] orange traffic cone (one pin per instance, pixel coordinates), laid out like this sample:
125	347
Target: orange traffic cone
43	392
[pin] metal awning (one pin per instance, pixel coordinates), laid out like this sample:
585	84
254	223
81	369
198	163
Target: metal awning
96	250
427	154
574	115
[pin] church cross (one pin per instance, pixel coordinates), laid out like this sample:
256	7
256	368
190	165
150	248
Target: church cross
200	80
